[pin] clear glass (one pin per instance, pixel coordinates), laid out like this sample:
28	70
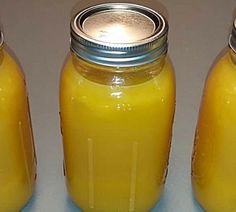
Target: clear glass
214	155
116	125
17	154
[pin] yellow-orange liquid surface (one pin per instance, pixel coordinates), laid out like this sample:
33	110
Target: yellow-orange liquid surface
116	139
214	156
17	159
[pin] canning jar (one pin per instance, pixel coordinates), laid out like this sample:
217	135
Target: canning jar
17	154
214	155
117	100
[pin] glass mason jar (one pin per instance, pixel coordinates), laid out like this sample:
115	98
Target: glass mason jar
117	100
214	155
17	154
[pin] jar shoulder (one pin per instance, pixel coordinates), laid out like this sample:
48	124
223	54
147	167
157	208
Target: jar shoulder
73	83
223	71
9	67
72	72
219	94
12	81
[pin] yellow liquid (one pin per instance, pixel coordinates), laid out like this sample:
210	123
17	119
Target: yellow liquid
116	139
17	159
214	156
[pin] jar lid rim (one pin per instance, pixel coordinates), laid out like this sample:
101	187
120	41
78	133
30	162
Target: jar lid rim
1	39
79	19
119	31
232	37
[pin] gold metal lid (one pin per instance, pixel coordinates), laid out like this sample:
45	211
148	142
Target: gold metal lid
119	34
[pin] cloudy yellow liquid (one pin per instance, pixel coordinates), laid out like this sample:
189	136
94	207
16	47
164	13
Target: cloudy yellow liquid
214	156
116	137
17	160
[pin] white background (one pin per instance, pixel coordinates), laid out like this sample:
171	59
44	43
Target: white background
38	32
